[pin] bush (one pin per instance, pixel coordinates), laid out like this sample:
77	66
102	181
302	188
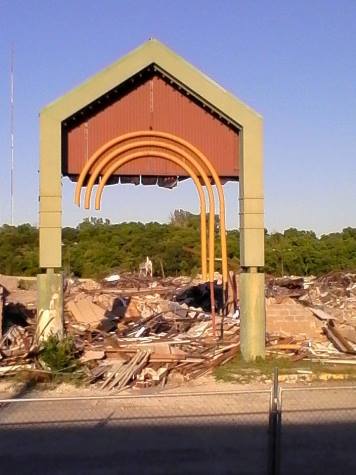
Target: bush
59	355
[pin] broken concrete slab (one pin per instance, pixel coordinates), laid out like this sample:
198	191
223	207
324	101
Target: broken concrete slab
92	355
85	311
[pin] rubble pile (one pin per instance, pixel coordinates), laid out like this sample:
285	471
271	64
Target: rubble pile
133	331
283	287
17	326
137	337
335	293
331	299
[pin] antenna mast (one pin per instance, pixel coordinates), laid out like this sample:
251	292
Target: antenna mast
12	133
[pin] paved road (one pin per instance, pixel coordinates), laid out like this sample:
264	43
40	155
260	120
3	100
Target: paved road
215	434
318	432
210	434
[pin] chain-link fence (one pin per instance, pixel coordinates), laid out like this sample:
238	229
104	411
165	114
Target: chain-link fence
287	430
318	430
210	433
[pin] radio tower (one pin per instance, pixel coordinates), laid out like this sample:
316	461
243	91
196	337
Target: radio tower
12	133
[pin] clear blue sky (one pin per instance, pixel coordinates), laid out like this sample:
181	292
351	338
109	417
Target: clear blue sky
293	61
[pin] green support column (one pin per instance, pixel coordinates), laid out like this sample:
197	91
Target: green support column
50	285
252	318
252	293
49	305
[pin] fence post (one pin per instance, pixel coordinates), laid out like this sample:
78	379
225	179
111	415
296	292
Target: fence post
274	427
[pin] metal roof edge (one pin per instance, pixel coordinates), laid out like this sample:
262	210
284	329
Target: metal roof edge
150	52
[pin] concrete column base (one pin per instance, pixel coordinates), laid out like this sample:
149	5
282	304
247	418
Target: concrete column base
252	315
49	305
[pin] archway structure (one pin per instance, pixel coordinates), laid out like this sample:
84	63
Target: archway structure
105	166
114	154
152	118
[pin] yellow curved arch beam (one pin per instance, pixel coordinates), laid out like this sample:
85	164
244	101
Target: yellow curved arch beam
102	162
192	161
178	140
178	161
121	161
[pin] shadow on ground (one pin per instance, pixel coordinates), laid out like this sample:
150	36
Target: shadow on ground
102	448
117	447
319	448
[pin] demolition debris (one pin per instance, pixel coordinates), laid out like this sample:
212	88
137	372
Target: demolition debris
133	331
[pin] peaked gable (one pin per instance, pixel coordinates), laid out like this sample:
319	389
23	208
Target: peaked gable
155	53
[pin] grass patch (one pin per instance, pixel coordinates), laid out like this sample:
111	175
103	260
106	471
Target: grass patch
59	355
60	363
57	362
240	371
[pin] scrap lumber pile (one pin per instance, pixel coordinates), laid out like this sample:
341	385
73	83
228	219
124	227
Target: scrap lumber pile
128	331
146	340
17	331
133	331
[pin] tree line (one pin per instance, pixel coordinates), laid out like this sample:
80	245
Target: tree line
96	248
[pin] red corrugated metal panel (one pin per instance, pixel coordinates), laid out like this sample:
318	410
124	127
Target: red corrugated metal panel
156	105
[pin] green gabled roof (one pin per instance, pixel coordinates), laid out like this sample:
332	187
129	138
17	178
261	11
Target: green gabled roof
151	52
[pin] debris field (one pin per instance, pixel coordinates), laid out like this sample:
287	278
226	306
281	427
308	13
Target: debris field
136	331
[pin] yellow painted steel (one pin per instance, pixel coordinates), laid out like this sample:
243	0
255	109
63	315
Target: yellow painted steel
178	161
190	147
121	161
104	161
115	153
117	162
203	231
111	169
